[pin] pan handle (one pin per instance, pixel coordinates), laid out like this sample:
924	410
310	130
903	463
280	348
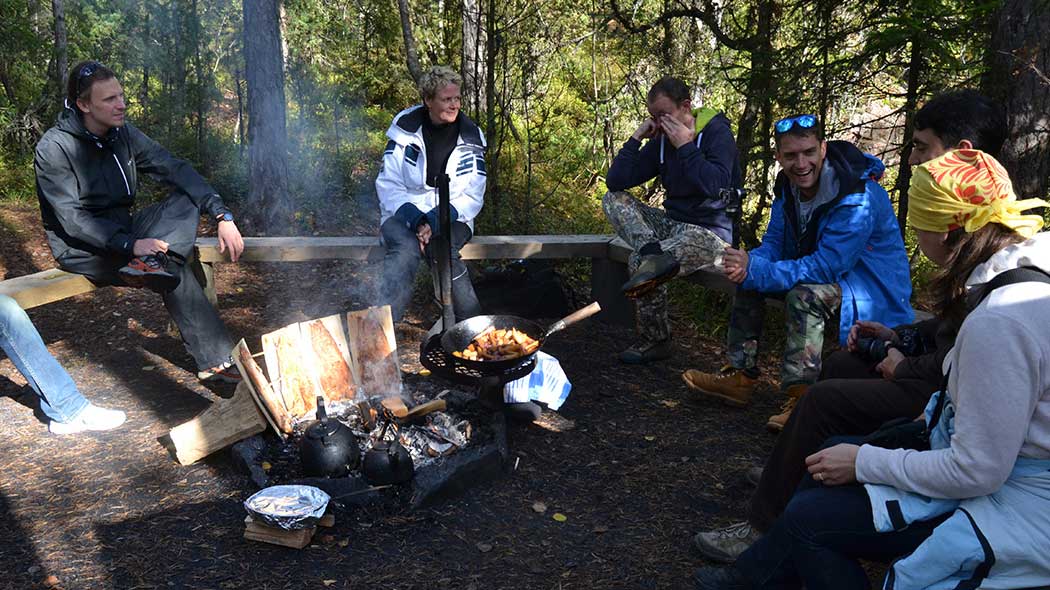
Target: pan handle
574	317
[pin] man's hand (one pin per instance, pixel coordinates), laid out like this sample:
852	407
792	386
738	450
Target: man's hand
647	129
230	238
735	264
677	133
835	466
423	234
863	329
149	246
889	364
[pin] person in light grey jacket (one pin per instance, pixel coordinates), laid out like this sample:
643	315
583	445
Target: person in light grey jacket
974	509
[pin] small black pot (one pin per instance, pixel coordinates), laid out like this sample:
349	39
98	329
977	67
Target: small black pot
388	463
328	447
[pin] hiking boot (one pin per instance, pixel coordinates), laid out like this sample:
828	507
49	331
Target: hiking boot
795	392
91	418
149	272
725	545
730	385
720	578
225	373
753	475
646	352
653	271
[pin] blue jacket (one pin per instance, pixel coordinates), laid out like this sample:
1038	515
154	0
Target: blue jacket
852	240
692	175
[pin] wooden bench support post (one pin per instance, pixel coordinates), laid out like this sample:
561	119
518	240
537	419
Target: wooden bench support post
607	276
204	272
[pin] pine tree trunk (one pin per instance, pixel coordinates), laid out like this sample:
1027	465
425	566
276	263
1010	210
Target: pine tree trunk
473	57
1019	76
267	123
411	54
752	140
911	98
61	48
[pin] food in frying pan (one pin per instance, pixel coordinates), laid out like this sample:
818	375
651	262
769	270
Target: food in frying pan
498	345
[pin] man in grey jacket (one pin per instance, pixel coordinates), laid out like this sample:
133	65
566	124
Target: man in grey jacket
87	169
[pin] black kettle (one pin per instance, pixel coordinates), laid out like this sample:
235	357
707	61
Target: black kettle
388	462
328	447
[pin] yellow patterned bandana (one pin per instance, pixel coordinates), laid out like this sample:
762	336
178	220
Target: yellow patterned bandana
968	189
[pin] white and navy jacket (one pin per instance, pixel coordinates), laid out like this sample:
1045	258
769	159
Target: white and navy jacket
402	178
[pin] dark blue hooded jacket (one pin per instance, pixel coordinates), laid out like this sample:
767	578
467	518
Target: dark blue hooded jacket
692	175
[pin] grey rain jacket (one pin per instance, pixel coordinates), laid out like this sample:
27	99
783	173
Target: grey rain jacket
87	185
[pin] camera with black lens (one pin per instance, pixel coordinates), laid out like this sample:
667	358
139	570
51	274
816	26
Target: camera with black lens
872	349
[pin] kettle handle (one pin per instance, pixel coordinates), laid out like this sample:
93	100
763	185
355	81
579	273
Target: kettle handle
321	413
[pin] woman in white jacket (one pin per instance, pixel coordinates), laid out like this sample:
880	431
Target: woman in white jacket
974	510
424	141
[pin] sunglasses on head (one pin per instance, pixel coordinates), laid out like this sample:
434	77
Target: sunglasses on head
87	71
800	121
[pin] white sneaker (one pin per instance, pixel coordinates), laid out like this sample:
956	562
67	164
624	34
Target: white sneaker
92	418
725	545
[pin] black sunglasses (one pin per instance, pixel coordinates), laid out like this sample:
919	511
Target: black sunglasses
87	71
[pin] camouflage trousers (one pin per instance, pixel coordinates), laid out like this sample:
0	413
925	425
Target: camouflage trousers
694	247
807	308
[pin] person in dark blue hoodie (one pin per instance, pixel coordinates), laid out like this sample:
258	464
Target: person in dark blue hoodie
694	154
833	246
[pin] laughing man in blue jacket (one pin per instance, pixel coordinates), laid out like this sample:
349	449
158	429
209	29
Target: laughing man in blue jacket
833	245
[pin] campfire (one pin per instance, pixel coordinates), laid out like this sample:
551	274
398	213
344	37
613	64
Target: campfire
429	438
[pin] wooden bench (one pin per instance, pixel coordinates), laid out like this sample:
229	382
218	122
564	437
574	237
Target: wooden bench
52	285
608	256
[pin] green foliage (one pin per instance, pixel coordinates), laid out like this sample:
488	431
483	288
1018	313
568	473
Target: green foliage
567	85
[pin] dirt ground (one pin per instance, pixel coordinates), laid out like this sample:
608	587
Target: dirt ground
645	468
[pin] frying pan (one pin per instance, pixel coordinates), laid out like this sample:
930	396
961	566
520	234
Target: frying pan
463	333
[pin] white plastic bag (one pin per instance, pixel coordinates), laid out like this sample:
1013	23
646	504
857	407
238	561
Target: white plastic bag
546	384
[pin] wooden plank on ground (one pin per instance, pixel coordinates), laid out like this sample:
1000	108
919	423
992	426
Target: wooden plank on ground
224	423
44	287
296	539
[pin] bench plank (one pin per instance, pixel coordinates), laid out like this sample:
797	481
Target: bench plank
44	287
301	249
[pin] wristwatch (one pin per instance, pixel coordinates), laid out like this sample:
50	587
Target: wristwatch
227	216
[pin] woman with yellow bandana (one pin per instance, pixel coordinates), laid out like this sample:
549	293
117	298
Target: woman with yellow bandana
974	510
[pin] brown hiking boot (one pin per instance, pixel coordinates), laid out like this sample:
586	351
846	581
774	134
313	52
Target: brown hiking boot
730	385
795	392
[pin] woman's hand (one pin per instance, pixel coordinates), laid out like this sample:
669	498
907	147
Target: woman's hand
864	329
888	366
835	466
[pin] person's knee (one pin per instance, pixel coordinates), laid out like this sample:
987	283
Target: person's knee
10	311
614	200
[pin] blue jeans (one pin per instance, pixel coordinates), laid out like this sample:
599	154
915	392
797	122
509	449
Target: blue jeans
59	398
820	536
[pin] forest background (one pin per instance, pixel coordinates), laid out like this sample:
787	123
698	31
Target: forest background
283	105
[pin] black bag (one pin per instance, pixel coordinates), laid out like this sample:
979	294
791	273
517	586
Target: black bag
900	433
906	433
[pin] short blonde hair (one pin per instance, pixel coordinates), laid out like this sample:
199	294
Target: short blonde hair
436	78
